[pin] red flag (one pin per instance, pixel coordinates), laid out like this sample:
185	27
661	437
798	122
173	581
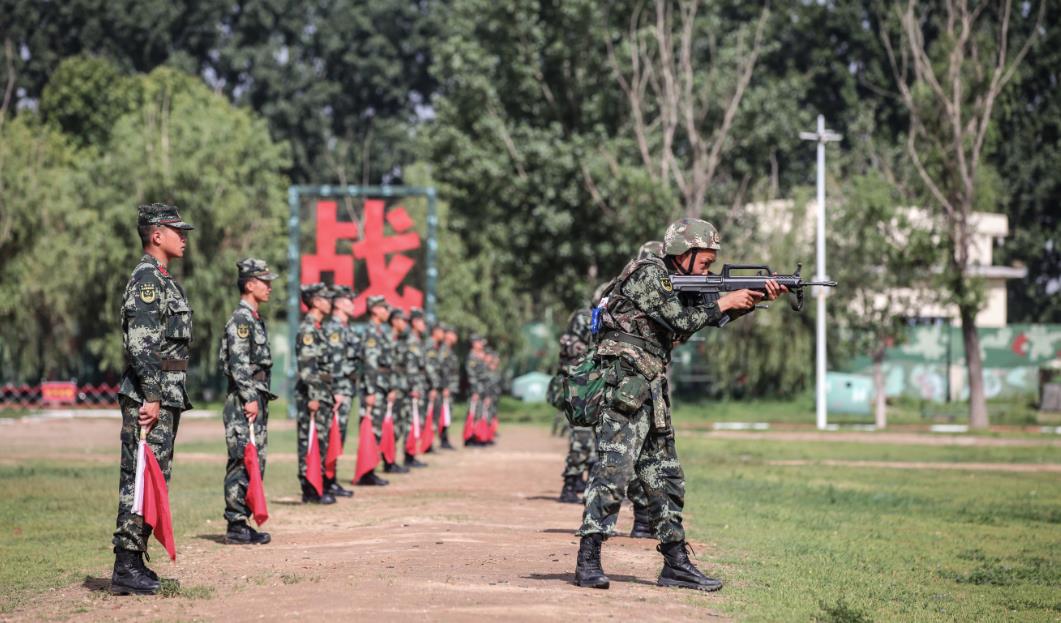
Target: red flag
255	490
152	497
494	426
367	449
482	430
335	447
429	429
386	441
313	457
469	422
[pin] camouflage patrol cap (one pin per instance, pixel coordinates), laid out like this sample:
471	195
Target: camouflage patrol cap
342	292
311	291
258	269
652	248
160	214
476	338
396	314
690	233
415	313
376	300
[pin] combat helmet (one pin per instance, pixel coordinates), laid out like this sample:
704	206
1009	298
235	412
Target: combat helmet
652	248
690	233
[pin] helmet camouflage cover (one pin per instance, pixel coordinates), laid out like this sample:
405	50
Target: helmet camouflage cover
690	233
652	248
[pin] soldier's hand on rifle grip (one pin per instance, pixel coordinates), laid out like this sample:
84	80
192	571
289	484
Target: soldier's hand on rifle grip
739	300
250	409
149	414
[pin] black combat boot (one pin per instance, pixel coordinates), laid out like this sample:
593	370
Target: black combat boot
642	527
581	484
239	533
372	480
568	494
309	496
412	461
130	575
588	571
337	490
445	444
679	571
394	468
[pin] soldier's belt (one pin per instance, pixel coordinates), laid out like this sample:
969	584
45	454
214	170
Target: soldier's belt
638	342
174	365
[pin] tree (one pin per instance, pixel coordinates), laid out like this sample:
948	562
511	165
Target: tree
684	82
950	68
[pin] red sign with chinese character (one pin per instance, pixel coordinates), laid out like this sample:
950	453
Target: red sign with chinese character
378	254
58	393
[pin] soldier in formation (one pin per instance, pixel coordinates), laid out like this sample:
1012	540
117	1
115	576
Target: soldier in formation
156	325
314	391
246	361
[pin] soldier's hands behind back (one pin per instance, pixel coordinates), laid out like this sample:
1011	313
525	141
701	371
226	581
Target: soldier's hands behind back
149	414
250	409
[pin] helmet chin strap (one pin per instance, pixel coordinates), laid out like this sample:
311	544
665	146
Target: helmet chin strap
688	268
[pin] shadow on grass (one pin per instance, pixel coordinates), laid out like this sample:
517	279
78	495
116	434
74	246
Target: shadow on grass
97	585
569	578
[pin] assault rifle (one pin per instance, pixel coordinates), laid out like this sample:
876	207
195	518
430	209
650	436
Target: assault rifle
728	282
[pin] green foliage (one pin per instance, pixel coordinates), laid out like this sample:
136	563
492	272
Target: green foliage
178	143
85	98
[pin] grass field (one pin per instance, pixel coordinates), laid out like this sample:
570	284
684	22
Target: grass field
795	543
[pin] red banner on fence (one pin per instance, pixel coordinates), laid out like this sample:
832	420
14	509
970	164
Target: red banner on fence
55	393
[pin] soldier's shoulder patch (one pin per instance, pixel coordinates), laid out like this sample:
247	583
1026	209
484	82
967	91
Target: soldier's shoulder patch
334	337
370	342
307	339
243	331
148	292
667	285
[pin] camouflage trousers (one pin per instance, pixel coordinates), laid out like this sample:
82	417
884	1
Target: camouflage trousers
324	421
130	531
629	448
344	417
401	412
581	452
237	436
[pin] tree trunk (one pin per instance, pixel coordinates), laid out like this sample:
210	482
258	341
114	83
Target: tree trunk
975	366
880	404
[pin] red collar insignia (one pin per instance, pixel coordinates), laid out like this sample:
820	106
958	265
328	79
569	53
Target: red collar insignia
162	269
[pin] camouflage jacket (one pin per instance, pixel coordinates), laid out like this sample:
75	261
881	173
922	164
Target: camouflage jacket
345	345
377	357
451	369
478	375
401	364
644	317
156	336
315	363
244	355
433	365
577	339
416	362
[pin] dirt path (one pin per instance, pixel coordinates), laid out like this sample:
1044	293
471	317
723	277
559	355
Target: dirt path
475	536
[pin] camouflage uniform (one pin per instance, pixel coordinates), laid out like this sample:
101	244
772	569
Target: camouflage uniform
434	359
582	453
156	336
416	374
642	320
478	382
377	358
315	366
245	359
400	383
345	343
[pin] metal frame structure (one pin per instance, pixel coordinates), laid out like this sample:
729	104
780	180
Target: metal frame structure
295	194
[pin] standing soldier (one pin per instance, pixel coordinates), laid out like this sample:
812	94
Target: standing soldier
245	360
376	360
433	367
641	320
399	387
156	335
346	354
475	368
419	383
581	452
313	391
452	382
